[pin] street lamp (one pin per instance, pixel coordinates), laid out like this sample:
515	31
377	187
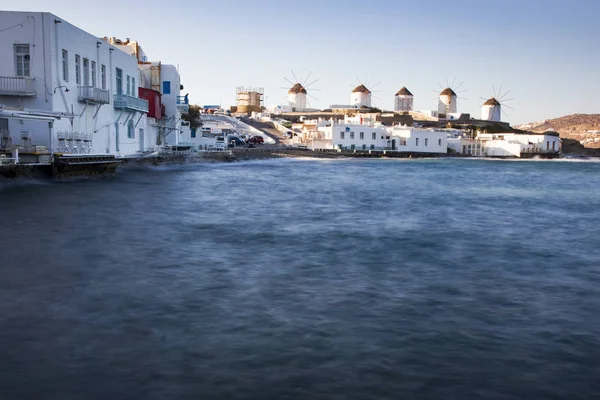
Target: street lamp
58	87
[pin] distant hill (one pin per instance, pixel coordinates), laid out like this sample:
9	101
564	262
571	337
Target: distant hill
584	128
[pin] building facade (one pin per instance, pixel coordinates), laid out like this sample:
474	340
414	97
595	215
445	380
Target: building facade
65	89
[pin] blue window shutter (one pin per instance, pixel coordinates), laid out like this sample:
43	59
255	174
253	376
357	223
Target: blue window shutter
166	87
193	133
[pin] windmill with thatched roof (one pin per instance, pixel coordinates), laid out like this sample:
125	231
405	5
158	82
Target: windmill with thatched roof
491	109
297	94
403	101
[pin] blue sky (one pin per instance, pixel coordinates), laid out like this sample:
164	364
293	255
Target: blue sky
546	52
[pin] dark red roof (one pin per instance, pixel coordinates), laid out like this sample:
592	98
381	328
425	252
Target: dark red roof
297	88
361	89
404	92
447	92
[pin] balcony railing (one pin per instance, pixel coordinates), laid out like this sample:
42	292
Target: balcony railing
17	86
90	94
130	103
183	103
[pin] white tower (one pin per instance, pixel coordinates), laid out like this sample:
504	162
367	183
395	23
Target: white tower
297	97
491	110
403	100
360	96
447	101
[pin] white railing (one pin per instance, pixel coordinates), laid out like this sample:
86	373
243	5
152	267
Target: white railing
90	94
130	102
74	142
17	86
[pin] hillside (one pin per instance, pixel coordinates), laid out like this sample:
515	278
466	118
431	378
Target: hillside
584	128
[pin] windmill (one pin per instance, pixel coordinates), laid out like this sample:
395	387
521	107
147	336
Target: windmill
491	109
403	100
447	99
361	95
298	92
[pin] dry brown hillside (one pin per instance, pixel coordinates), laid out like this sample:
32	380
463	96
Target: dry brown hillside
584	128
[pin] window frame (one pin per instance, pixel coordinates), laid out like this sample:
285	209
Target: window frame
93	73
65	65
25	58
77	69
103	76
119	80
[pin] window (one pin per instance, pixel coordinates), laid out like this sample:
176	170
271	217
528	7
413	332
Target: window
364	146
374	136
547	145
193	133
417	140
166	87
65	65
103	76
440	142
128	85
372	147
119	73
133	92
362	136
77	69
22	58
93	73
130	130
553	145
426	140
351	135
342	135
86	72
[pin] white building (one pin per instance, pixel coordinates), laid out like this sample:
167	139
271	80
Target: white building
297	97
58	73
403	101
491	110
447	101
419	140
507	144
165	80
360	97
352	136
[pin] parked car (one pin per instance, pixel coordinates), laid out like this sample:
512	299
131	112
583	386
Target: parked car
256	140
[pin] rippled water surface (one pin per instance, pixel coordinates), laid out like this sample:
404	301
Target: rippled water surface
304	279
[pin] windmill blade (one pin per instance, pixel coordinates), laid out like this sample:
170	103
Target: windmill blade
315	90
307	78
294	75
494	90
301	74
441	87
290	82
310	84
359	82
374	86
310	95
283	87
504	95
453	81
458	87
509	107
505	114
447	82
484	99
505	100
500	91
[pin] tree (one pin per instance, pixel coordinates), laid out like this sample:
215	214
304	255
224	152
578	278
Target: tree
193	116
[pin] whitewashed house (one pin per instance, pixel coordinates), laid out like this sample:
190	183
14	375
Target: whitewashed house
64	88
164	80
419	140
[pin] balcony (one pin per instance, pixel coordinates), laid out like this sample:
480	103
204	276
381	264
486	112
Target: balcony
183	103
130	103
17	86
92	95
